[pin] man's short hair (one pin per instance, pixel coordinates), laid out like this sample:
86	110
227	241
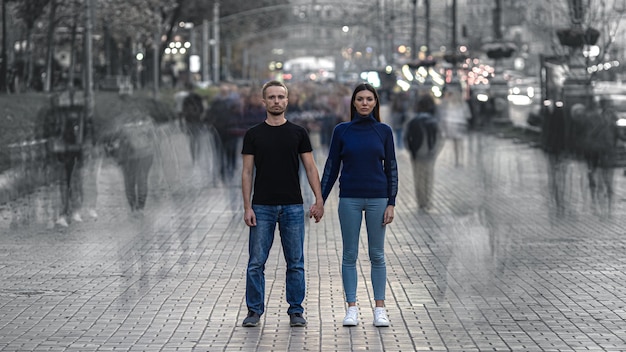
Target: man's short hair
274	83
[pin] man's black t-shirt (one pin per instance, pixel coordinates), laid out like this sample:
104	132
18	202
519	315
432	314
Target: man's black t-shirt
276	151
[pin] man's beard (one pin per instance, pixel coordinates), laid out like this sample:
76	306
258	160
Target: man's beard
276	112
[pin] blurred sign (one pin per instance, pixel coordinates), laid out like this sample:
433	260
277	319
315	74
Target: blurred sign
194	63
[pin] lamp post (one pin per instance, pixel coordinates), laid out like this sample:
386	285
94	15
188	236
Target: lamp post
4	85
205	50
216	42
427	14
88	86
454	41
414	32
497	20
577	87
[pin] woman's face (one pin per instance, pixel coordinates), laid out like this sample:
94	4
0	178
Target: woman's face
364	102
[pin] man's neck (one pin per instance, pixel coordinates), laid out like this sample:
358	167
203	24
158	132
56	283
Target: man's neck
275	120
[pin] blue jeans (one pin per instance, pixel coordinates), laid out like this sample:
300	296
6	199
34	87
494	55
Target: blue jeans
350	217
290	219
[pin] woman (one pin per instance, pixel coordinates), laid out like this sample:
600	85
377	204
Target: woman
363	149
424	140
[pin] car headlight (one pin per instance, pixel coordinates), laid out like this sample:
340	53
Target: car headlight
482	97
520	99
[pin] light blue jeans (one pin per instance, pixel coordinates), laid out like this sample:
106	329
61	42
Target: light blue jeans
290	219
350	217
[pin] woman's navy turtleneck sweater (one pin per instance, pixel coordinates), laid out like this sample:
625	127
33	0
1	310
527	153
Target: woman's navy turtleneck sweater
365	148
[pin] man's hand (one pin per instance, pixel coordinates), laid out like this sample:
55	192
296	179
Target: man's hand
249	217
316	211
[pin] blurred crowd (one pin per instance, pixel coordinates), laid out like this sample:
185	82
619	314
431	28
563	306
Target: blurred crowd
229	113
210	128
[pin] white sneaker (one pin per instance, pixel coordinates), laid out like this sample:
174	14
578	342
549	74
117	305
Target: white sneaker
352	316
380	317
62	221
77	218
93	214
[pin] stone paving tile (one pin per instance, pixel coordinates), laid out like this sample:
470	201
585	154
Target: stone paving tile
492	267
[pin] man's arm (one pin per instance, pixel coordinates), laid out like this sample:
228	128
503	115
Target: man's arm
246	189
317	209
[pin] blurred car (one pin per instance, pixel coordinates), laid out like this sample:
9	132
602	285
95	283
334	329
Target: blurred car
524	102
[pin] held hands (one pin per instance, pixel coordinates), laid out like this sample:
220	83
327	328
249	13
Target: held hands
388	217
316	211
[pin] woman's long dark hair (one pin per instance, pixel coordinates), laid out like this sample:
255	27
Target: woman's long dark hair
360	87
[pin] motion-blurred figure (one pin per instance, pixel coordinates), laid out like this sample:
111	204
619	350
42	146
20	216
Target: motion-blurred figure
133	146
65	130
424	140
91	173
225	116
192	111
400	111
254	111
553	134
600	140
455	114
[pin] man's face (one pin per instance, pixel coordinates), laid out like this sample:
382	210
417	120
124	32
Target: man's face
275	100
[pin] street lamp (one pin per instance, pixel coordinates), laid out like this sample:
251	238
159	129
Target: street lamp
414	32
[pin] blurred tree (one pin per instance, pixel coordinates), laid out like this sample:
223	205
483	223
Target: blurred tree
126	23
5	45
50	45
238	20
30	11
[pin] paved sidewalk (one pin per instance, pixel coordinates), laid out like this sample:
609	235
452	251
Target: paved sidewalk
493	267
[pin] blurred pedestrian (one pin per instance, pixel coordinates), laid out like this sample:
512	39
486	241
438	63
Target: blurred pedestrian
424	140
192	112
133	146
93	157
224	115
253	111
399	115
65	130
272	152
554	144
363	151
455	114
179	97
600	139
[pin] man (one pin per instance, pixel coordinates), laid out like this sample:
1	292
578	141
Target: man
275	148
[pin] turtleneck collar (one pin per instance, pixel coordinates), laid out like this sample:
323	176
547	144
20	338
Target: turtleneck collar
362	118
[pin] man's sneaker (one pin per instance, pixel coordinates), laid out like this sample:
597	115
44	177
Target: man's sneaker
62	221
77	218
380	317
296	319
251	320
352	317
93	213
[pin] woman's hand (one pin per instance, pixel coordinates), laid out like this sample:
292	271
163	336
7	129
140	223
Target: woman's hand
388	218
